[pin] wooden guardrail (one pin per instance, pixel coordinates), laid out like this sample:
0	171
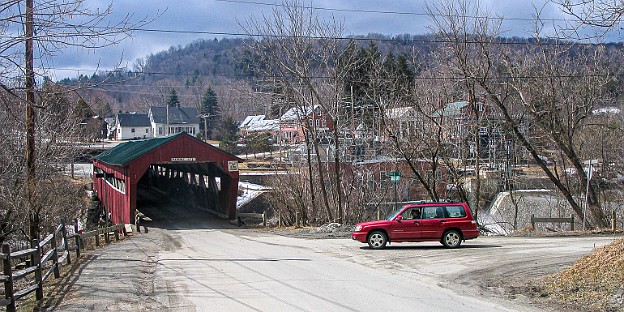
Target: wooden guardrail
44	258
553	220
260	216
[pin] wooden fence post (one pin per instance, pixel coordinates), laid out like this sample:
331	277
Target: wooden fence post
55	263
78	241
37	262
613	221
571	222
66	243
533	221
97	237
264	219
106	235
117	232
297	219
8	284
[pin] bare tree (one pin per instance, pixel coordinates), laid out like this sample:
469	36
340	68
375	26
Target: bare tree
468	57
48	28
554	86
601	14
299	51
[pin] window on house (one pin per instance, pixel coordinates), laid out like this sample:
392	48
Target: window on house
147	130
132	130
160	130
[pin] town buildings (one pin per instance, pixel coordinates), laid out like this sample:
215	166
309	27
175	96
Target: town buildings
158	122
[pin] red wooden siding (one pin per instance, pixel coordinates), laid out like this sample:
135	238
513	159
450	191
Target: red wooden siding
122	206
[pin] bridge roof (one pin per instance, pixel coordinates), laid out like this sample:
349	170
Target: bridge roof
128	151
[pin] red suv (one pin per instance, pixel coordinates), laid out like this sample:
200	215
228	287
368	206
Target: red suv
446	222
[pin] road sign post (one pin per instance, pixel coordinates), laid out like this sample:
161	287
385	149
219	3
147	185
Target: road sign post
590	163
395	177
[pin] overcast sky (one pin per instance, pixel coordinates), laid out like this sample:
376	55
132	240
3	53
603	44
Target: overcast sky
214	17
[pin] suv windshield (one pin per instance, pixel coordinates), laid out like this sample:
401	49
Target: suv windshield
393	214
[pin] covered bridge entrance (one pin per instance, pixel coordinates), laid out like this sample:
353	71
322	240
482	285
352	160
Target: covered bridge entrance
176	163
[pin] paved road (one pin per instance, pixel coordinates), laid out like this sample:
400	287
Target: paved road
194	265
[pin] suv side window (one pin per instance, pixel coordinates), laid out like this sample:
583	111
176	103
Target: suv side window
413	213
433	212
455	212
429	212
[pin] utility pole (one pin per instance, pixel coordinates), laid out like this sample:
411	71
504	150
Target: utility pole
30	120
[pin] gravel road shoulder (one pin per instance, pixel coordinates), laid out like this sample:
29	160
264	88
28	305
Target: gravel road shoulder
118	277
503	268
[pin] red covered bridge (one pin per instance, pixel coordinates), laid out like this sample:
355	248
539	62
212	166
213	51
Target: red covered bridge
174	163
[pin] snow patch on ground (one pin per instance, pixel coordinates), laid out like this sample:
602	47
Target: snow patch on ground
250	191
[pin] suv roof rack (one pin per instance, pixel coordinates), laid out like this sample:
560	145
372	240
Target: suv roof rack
448	200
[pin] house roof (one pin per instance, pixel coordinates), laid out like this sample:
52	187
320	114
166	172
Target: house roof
451	109
258	123
298	113
133	120
251	120
177	115
400	112
264	125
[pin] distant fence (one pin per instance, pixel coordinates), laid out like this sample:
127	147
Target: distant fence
553	220
251	215
571	221
44	258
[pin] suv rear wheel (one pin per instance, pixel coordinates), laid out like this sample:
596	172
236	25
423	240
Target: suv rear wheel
451	239
377	239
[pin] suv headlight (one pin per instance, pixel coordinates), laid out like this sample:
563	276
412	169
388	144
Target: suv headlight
357	228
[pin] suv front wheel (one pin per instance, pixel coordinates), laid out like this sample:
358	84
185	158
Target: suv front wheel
451	239
377	239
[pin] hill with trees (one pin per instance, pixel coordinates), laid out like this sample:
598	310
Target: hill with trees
230	68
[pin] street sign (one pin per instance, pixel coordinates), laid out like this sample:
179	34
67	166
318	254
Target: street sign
395	176
592	161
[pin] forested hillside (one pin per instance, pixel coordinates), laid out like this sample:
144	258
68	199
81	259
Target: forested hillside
229	67
226	65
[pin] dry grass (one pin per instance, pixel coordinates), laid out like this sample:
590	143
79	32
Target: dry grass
596	281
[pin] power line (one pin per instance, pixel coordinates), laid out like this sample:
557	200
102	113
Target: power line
387	12
500	77
427	38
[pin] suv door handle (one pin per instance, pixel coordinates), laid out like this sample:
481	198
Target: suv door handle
442	221
416	223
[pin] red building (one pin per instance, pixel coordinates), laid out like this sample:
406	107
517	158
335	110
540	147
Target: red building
296	120
209	171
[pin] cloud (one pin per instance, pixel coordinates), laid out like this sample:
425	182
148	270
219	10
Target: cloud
367	16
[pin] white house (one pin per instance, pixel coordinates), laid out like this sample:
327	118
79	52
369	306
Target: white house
259	124
132	126
171	120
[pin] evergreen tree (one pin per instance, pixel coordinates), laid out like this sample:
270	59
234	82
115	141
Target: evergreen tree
209	112
259	143
173	100
82	111
228	133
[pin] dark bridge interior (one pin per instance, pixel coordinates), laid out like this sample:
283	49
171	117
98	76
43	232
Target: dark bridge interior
182	194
